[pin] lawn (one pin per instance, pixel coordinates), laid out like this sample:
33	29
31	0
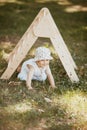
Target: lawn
64	108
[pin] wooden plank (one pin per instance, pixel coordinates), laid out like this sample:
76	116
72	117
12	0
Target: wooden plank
65	60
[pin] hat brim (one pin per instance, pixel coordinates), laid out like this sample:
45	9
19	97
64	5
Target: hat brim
46	58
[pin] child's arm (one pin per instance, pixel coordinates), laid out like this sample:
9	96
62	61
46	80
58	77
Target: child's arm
50	77
29	76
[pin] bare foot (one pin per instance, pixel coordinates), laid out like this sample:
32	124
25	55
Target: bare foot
29	88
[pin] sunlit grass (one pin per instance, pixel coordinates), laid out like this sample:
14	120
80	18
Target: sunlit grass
3	2
19	108
85	28
75	104
60	2
44	1
75	8
64	2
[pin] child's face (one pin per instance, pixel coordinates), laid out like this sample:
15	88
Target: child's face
43	63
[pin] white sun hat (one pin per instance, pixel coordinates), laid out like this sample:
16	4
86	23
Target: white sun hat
43	53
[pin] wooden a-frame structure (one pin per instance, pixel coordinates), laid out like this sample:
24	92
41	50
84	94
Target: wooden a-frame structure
42	26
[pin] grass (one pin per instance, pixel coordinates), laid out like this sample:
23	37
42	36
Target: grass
44	109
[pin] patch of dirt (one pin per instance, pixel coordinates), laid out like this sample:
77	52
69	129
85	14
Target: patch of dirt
41	126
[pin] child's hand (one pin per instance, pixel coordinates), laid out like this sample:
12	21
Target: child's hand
29	87
53	87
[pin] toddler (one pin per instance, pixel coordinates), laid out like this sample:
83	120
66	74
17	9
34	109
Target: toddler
37	68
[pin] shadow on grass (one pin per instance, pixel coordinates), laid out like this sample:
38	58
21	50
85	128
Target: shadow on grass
17	16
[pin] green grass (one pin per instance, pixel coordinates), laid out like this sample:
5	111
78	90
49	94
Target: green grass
64	108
